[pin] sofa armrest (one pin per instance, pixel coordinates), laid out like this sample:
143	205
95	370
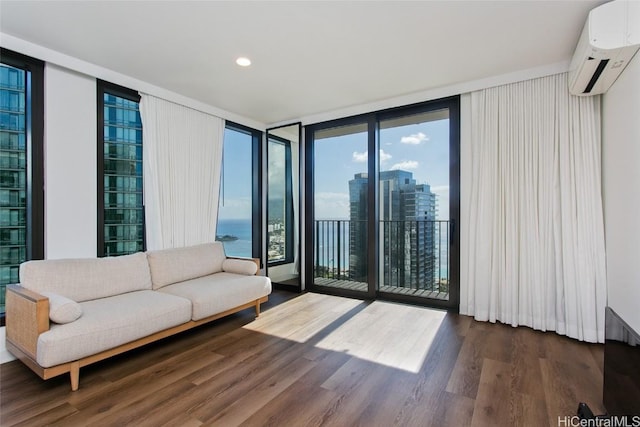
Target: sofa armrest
255	260
27	316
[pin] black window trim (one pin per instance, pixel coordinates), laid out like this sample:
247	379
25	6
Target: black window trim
256	187
288	257
103	87
452	103
35	152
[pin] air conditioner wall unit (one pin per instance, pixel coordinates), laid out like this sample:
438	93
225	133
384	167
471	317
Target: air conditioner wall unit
609	40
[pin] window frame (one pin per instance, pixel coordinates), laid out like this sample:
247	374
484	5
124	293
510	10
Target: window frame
372	120
34	148
132	95
256	187
288	257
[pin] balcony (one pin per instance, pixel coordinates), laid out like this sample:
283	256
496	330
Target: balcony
413	256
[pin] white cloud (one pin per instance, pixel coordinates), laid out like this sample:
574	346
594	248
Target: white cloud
414	139
360	157
405	165
331	205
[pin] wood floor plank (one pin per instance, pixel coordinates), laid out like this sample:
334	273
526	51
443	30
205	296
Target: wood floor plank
566	383
465	378
51	416
320	360
304	399
499	403
138	386
251	402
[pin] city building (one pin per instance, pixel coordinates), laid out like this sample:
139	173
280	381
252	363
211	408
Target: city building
407	230
13	168
358	227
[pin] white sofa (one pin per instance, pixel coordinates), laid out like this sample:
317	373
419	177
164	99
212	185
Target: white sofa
69	313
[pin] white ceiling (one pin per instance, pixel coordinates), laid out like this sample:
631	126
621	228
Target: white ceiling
308	57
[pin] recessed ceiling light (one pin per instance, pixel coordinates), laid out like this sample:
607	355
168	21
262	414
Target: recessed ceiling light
243	62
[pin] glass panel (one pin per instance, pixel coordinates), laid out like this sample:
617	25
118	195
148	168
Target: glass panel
234	228
123	202
13	182
340	207
414	205
277	222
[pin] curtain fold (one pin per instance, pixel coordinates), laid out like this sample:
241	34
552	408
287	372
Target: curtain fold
182	156
534	252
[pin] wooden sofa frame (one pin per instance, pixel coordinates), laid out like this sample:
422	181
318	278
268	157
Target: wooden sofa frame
29	317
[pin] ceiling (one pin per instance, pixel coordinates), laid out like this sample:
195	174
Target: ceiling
308	57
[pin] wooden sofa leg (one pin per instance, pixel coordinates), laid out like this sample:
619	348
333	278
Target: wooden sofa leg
74	373
258	308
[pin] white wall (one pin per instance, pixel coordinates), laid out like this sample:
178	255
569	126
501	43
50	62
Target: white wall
70	153
621	192
70	164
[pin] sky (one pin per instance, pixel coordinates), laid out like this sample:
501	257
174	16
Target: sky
422	149
235	191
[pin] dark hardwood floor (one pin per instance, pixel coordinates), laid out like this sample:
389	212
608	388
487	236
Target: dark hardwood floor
322	360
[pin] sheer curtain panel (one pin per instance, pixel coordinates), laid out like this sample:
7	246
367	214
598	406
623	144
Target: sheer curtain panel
533	233
182	159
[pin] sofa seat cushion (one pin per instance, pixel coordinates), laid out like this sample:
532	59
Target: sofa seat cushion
169	266
109	322
219	292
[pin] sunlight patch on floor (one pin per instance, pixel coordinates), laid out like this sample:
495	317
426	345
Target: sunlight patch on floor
390	334
301	318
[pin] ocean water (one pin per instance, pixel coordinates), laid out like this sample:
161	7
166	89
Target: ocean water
240	228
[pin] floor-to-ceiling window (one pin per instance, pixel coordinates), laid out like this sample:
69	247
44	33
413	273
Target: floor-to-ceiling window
340	206
280	201
414	185
385	191
21	168
239	208
120	187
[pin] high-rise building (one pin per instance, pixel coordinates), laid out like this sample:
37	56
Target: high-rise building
358	227
407	230
13	175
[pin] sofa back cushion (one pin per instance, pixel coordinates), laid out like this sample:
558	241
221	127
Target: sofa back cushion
87	279
169	266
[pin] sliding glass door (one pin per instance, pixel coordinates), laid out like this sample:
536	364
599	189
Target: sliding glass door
414	193
385	203
340	208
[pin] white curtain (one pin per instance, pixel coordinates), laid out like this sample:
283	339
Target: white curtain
182	154
532	225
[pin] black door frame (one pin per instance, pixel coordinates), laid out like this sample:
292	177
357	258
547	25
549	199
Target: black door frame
372	121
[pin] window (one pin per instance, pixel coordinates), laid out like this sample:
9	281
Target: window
239	216
280	203
120	200
383	202
21	171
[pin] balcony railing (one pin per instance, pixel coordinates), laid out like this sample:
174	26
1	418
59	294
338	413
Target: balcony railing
413	255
